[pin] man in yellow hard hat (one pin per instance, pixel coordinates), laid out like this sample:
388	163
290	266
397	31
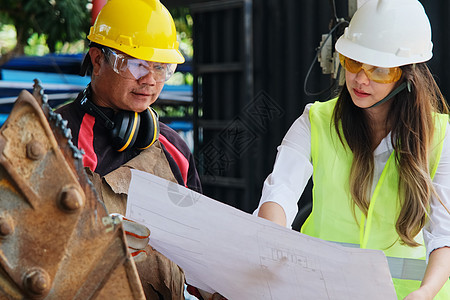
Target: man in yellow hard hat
133	51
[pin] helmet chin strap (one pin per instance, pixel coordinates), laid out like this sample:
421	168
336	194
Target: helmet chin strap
401	87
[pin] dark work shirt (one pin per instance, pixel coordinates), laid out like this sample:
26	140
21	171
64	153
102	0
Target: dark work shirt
102	158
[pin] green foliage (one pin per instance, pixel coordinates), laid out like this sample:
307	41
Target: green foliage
36	45
183	23
7	38
59	21
183	20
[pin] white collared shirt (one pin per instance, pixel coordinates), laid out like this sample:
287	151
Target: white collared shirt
293	168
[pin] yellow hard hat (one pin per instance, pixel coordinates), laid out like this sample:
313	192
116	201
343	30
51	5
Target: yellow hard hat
143	29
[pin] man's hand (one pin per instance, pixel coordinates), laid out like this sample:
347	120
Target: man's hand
203	295
215	296
137	236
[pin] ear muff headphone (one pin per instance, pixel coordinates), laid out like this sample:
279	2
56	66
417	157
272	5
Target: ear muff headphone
127	129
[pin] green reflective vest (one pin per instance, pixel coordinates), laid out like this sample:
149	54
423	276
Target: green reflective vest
332	219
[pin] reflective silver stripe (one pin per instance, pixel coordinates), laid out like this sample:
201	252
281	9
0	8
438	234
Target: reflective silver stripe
401	268
406	268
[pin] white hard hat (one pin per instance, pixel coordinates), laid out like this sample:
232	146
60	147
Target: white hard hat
388	33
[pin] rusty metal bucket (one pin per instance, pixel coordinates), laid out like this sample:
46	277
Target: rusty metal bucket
57	240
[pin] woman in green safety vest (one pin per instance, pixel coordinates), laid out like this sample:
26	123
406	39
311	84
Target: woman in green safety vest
379	153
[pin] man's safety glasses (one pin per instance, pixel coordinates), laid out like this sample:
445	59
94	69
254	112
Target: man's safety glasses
133	68
377	74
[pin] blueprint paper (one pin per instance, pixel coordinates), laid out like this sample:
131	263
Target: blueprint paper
242	256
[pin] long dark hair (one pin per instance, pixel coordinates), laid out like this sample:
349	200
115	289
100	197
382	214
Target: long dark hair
412	122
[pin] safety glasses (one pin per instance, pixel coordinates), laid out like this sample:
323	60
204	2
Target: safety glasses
377	74
133	68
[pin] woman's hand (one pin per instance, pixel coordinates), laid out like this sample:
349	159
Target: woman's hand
436	275
274	212
420	294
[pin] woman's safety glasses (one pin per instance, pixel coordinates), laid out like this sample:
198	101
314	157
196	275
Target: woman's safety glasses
133	68
377	74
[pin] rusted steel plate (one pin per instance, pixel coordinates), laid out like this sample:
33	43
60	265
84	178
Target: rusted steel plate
56	238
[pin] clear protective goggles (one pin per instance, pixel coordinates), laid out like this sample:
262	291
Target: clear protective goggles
134	68
377	74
